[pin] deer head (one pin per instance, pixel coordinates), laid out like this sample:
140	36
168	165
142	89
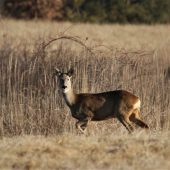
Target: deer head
64	79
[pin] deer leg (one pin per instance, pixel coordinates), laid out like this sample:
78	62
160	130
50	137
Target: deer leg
137	120
82	124
125	121
141	123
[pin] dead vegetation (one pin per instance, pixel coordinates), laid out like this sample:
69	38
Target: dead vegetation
106	57
115	151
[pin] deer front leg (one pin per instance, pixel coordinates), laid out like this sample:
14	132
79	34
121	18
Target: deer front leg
82	124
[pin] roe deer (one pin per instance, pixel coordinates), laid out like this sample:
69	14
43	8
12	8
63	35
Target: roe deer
118	104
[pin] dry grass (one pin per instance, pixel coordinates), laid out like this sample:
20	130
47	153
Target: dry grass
131	57
114	151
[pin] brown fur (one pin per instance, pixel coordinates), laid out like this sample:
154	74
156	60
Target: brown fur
118	104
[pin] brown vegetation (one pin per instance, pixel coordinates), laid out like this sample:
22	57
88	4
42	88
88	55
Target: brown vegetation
112	151
29	9
131	58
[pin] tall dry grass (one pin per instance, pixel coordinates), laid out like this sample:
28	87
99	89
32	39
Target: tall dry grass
110	57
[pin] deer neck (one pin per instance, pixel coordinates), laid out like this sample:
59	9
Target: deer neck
69	97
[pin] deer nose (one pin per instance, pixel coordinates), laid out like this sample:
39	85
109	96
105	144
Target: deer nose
64	87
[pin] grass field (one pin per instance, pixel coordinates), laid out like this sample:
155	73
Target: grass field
112	151
36	127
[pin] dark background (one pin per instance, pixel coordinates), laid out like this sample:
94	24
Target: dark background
93	11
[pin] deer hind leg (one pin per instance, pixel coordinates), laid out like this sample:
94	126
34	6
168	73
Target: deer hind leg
82	124
134	117
125	121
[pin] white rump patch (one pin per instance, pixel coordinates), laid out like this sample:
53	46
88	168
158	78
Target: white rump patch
137	105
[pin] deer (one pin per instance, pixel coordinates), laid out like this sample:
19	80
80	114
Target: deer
86	107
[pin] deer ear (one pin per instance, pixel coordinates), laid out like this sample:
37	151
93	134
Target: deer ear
71	72
57	72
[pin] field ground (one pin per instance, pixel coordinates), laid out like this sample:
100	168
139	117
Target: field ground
36	127
112	151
